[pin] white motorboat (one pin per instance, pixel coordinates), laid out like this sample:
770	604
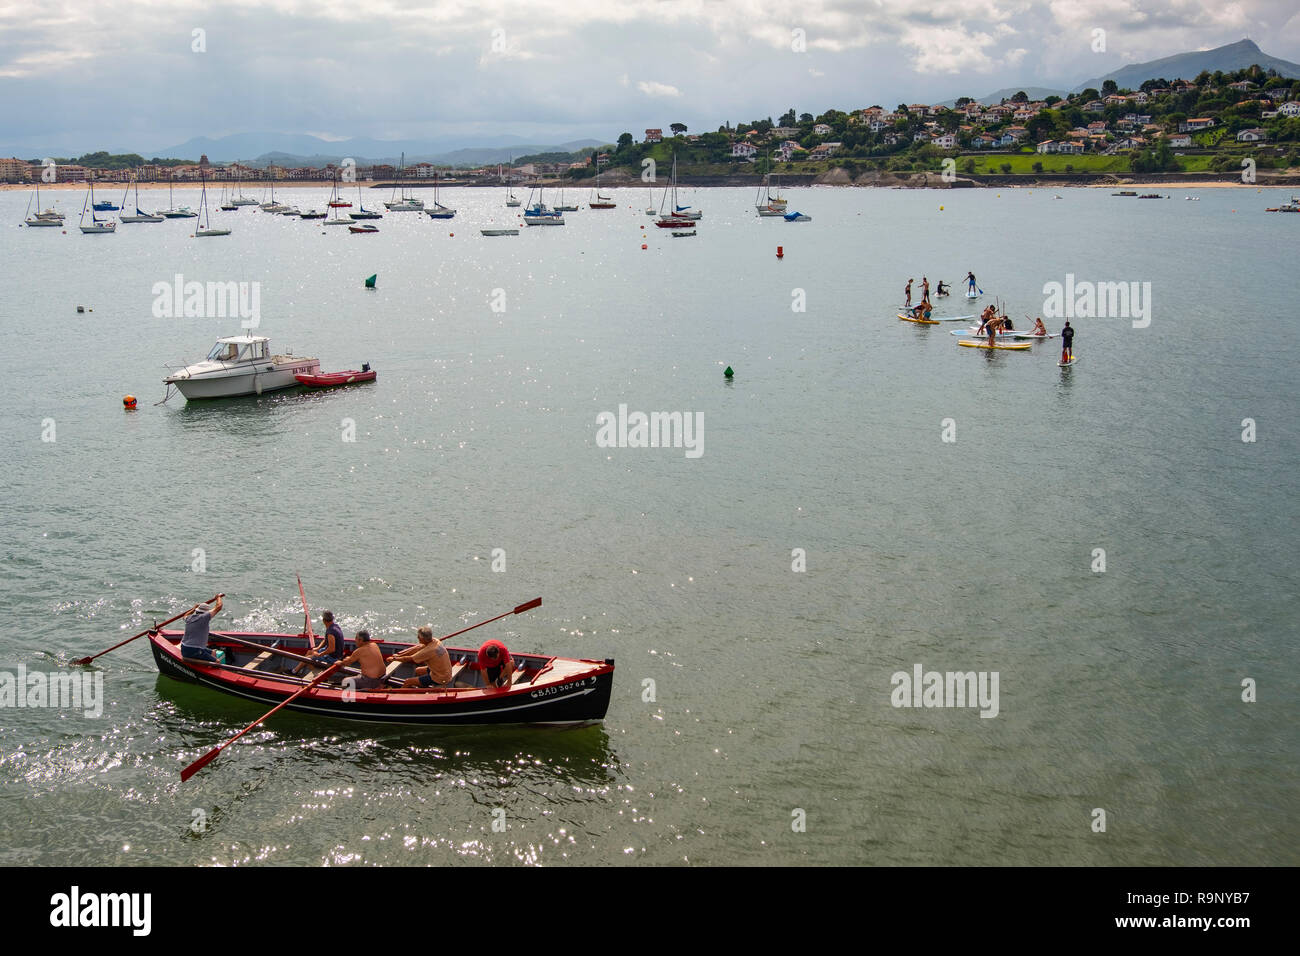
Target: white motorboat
241	365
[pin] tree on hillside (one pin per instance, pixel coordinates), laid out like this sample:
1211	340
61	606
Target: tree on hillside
1020	97
963	101
1088	95
1109	87
787	118
625	141
678	128
1052	100
805	118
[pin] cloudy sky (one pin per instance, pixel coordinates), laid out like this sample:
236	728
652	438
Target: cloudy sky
135	75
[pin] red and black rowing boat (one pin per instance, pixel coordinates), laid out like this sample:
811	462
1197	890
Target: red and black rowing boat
544	690
336	379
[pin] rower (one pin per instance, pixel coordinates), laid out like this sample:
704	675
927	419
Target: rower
433	663
194	644
371	659
333	649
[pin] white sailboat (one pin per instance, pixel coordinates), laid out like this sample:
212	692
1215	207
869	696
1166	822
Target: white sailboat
273	206
767	204
439	211
511	199
362	212
97	225
540	214
406	203
205	229
47	218
598	201
140	215
171	212
336	207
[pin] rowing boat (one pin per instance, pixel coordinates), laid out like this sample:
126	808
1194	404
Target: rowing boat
908	318
1010	347
352	376
543	690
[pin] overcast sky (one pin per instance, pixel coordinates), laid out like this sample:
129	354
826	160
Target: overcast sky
77	75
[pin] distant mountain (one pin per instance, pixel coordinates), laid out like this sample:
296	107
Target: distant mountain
300	149
1187	66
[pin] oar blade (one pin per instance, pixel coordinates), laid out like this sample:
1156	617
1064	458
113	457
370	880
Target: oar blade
199	764
535	602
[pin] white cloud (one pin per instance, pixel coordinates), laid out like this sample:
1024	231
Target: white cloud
653	88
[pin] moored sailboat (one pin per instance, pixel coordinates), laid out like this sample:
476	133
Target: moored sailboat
97	225
139	215
439	211
205	229
406	203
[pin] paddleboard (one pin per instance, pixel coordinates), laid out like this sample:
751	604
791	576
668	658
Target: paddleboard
1031	335
952	318
908	318
1073	359
971	333
1012	346
972	295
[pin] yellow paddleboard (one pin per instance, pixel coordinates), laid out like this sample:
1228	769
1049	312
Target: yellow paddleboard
1016	347
908	318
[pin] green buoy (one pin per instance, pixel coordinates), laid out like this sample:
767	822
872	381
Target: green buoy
729	373
370	283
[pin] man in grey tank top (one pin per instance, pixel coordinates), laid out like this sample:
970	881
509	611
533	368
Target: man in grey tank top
194	645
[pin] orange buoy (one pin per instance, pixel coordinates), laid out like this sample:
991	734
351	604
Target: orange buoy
643	245
780	252
128	402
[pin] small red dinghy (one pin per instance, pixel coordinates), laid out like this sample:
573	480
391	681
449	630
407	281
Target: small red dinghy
335	379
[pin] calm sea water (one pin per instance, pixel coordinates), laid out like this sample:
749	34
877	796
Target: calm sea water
749	697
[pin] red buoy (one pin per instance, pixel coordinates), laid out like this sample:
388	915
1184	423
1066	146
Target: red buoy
780	252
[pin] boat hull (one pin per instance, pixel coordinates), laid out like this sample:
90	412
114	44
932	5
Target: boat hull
244	382
336	379
579	691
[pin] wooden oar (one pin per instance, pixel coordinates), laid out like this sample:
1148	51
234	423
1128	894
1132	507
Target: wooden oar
535	602
82	661
211	755
306	616
230	638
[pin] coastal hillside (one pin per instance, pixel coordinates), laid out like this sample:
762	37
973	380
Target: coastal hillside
1186	66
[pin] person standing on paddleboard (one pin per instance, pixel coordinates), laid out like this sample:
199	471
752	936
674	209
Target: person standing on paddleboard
970	279
1067	343
907	302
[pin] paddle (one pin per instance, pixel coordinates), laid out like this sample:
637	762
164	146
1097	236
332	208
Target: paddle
82	661
306	614
535	602
211	755
231	639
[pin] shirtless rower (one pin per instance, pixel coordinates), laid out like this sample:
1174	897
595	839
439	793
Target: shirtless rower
371	661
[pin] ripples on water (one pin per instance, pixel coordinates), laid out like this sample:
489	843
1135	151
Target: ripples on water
771	688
